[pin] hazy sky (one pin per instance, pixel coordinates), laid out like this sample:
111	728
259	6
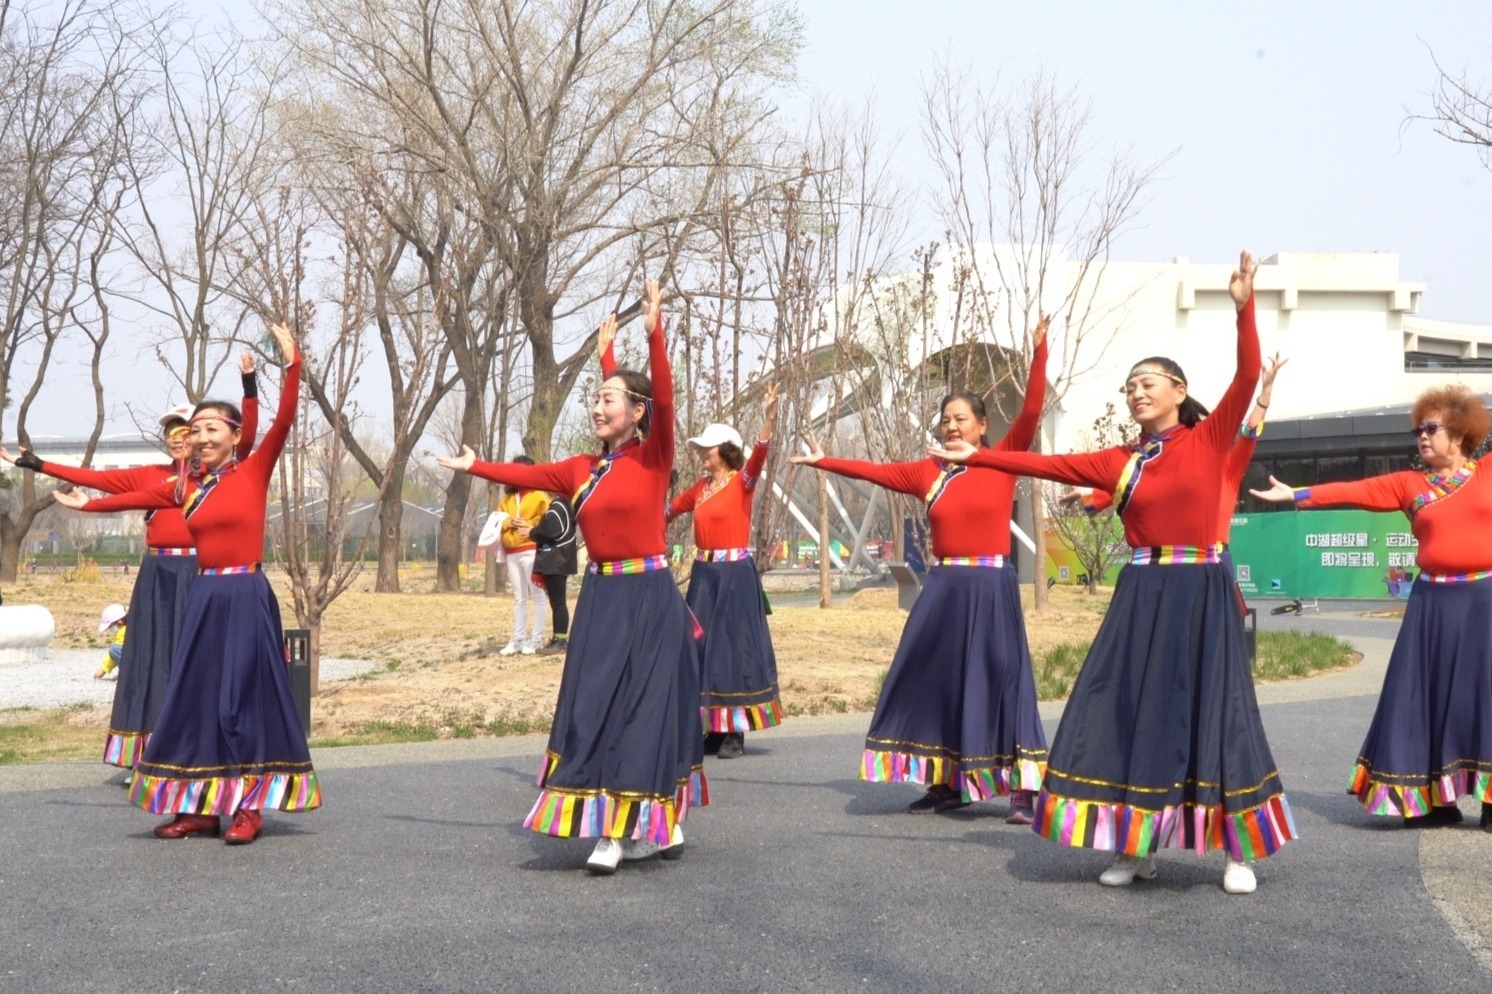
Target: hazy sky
1288	122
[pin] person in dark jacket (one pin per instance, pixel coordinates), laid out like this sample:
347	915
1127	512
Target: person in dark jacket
554	563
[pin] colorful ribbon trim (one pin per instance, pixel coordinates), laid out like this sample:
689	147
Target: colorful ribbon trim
1145	449
225	795
1245	835
170	552
622	567
1247	432
1176	555
228	570
205	488
600	814
721	555
124	749
1024	771
945	477
752	718
1455	577
1437	790
1441	487
603	466
995	561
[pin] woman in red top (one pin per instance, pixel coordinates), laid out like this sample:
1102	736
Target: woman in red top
1431	737
158	599
229	740
1161	743
957	710
738	669
626	754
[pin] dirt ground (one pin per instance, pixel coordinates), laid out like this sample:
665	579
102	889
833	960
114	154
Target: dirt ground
437	661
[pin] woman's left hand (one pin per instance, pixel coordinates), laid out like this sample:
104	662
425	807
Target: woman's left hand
955	451
1241	285
284	341
70	498
652	308
462	462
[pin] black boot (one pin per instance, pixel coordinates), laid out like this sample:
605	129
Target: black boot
712	742
732	746
1487	816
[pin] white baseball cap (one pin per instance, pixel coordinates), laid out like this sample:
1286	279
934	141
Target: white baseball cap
716	434
112	613
181	412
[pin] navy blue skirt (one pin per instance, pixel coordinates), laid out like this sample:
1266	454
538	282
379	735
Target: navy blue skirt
228	735
958	707
1161	744
1431	738
626	751
738	685
157	605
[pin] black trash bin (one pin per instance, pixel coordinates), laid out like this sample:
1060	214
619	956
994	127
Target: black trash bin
298	658
1250	634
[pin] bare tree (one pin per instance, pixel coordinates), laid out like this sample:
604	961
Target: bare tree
73	88
1094	536
1461	110
1033	219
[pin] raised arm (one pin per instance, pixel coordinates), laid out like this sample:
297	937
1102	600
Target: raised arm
1023	429
249	408
606	346
657	448
1222	426
264	458
759	452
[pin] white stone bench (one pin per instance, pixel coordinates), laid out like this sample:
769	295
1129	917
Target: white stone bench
25	632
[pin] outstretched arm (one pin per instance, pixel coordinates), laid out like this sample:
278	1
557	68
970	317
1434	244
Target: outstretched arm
110	481
155	498
1099	470
912	478
555	477
658	446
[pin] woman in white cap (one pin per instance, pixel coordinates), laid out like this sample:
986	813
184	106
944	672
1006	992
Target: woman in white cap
169	565
738	677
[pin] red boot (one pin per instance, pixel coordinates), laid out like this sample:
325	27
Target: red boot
183	825
245	828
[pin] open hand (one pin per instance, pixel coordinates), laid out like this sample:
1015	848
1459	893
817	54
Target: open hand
1241	285
652	308
1278	493
607	334
246	364
955	451
70	498
284	341
462	462
1039	335
813	457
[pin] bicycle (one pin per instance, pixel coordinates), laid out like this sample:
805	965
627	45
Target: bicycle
1297	606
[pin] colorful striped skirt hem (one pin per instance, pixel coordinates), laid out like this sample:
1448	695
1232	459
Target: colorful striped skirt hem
974	782
225	795
1250	834
1414	800
751	718
605	814
124	749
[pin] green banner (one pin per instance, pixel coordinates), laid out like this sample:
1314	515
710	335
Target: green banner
1323	554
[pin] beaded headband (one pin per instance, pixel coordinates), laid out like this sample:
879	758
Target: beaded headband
1152	372
217	416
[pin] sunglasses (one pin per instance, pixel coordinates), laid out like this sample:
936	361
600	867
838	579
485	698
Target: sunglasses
1428	428
178	433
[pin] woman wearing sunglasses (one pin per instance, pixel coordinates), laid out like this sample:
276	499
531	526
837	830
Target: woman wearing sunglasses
170	563
1430	741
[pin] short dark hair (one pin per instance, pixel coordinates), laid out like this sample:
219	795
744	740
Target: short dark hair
731	454
517	461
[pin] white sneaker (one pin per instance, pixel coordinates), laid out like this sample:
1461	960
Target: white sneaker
1238	878
511	649
645	848
1123	871
604	858
527	648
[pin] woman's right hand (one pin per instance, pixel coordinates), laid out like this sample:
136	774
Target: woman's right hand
955	451
462	462
70	498
1278	493
812	459
606	335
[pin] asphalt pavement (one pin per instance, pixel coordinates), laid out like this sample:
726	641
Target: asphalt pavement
417	876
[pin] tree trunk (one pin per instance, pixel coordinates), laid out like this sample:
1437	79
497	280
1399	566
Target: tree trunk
390	532
10	550
450	547
826	590
314	626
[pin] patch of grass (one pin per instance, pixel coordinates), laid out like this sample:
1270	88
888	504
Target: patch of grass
515	724
28	735
1057	668
382	733
1290	655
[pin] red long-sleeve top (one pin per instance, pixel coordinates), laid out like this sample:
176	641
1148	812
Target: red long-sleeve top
1454	529
164	529
1239	457
225	511
621	516
1179	491
968	513
722	515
